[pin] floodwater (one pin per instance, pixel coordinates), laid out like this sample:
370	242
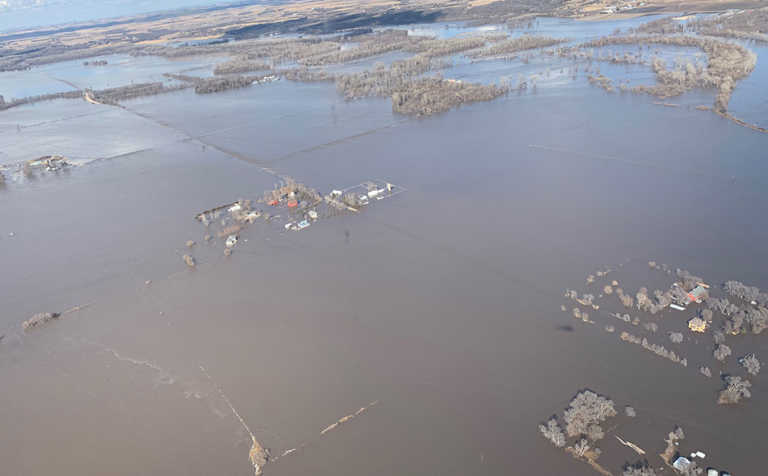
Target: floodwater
442	303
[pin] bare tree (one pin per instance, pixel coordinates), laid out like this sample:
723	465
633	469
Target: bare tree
586	409
722	352
736	388
553	432
750	364
639	469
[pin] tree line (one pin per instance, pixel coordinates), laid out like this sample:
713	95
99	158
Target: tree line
726	63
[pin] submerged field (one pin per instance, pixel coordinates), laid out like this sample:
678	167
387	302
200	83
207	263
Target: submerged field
437	311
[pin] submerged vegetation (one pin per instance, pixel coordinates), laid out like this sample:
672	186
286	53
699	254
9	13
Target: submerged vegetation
515	45
726	63
723	312
583	417
413	93
240	65
735	389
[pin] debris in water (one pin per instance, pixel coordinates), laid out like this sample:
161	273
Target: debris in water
189	260
190	243
39	319
629	444
231	241
329	428
45	317
347	418
229	230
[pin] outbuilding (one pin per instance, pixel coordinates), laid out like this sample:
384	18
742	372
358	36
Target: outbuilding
697	294
681	464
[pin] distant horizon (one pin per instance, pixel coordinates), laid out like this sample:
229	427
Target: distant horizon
26	14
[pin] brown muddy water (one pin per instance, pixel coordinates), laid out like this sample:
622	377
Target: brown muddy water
441	304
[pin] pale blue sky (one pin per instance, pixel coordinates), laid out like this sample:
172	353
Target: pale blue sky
15	14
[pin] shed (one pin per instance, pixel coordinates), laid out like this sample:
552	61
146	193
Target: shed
697	294
681	464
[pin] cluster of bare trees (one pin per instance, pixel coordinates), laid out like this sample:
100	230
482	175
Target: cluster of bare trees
721	352
578	53
279	50
215	85
579	314
306	75
428	96
744	25
748	319
660	300
95	63
662	26
601	81
352	54
726	63
105	96
585	413
515	45
640	469
122	93
289	188
409	93
56	53
449	46
750	364
744	319
625	299
735	389
43	97
676	337
553	432
657	349
583	418
651	327
748	293
383	81
240	65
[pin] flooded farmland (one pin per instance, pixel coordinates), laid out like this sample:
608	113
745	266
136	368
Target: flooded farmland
421	334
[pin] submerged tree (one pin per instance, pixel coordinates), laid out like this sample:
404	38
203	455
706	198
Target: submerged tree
736	388
553	432
750	364
639	469
585	412
722	352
